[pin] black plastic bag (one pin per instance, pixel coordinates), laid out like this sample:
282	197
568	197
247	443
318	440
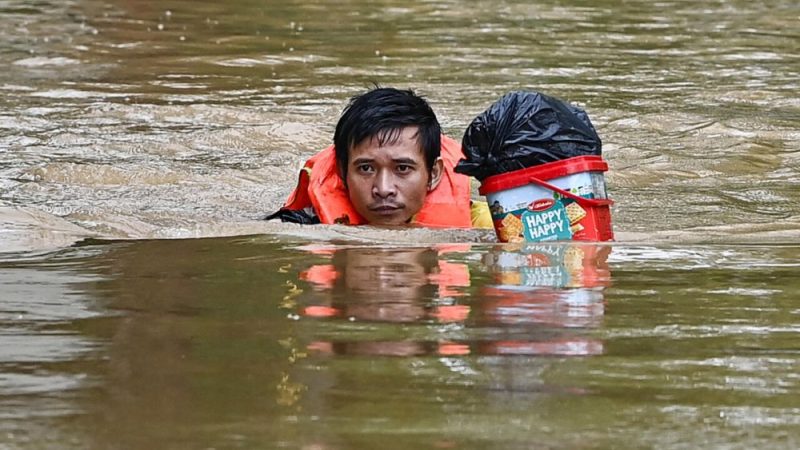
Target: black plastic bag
525	129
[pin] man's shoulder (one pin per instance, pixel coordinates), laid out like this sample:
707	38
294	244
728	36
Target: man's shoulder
451	151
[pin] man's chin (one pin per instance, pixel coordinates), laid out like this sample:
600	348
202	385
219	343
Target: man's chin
399	223
389	221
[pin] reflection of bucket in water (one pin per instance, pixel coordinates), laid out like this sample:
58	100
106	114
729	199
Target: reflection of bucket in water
552	265
558	284
574	346
561	200
562	308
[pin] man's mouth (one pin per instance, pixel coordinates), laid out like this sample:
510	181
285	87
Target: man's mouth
385	208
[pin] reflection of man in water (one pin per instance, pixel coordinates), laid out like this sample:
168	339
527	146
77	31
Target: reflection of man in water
401	285
385	284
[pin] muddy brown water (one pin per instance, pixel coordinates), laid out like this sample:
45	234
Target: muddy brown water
143	304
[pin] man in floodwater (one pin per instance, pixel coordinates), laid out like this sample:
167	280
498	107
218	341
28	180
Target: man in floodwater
389	165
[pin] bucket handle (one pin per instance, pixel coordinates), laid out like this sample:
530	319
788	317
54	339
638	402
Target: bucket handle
591	202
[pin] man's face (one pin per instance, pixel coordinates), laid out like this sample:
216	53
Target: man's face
387	185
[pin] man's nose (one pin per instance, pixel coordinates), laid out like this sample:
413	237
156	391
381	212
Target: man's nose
384	185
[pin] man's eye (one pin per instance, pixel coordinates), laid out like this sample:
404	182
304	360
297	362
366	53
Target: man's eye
403	168
365	168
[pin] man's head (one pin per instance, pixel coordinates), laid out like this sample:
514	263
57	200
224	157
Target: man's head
388	144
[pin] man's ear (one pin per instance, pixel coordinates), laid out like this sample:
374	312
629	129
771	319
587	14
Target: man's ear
436	174
343	175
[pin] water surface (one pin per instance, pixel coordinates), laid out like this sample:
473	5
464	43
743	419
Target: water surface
136	124
264	343
188	119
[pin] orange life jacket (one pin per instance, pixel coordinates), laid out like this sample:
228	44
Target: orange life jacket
321	187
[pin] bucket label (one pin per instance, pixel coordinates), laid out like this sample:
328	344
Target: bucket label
546	220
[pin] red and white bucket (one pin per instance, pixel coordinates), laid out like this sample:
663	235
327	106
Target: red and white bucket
561	200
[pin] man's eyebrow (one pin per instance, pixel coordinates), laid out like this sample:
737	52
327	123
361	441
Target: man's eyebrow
408	161
362	160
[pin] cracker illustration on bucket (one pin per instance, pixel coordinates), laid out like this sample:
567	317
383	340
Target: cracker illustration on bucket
540	166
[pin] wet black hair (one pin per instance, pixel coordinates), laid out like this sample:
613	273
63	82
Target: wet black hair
383	113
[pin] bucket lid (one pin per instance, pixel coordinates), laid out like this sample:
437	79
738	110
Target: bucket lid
548	171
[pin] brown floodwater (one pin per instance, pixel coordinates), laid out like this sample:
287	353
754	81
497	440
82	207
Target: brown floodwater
143	304
264	342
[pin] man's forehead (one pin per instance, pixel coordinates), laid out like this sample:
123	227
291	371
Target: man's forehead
392	136
402	148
